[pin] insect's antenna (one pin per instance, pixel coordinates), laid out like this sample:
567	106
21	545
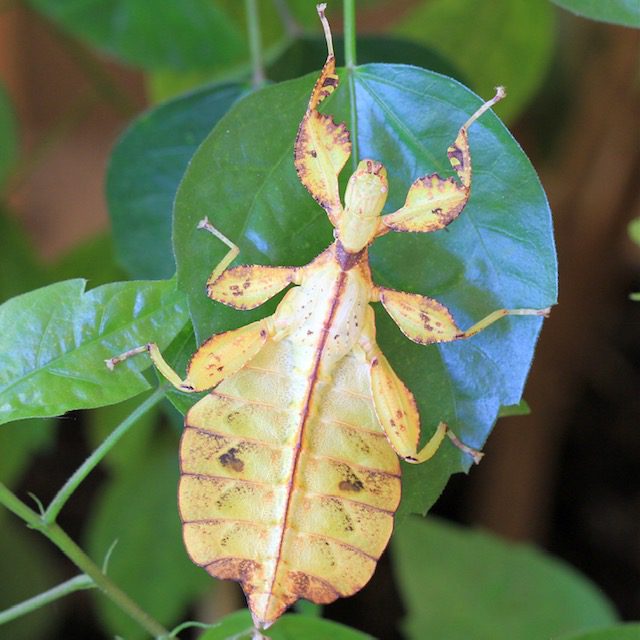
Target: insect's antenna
325	25
500	93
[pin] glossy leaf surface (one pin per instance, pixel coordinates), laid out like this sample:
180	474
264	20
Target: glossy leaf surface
137	508
624	12
458	583
499	253
291	626
145	169
488	42
54	340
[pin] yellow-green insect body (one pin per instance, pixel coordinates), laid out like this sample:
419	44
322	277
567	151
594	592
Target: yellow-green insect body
290	474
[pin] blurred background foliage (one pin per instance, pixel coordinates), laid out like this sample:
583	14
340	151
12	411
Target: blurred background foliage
74	75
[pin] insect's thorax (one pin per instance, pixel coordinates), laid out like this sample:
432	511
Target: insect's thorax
326	313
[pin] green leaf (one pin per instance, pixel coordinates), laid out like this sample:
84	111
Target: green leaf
145	170
134	444
8	136
92	260
458	583
19	443
634	230
138	509
20	269
306	55
489	42
27	568
520	409
189	34
499	253
624	12
629	631
53	343
291	626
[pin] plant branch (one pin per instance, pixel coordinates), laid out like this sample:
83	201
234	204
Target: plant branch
82	561
349	9
349	14
27	606
65	492
255	42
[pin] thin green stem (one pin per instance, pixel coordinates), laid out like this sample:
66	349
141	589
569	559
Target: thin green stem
82	561
349	13
27	606
94	459
255	42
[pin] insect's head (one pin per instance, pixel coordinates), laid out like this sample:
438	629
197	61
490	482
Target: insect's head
365	196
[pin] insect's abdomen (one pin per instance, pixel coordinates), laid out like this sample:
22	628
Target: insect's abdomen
289	508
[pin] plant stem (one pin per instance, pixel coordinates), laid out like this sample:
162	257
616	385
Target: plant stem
349	14
65	492
82	561
27	606
255	42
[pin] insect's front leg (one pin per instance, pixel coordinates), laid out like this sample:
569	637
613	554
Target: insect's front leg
396	407
229	257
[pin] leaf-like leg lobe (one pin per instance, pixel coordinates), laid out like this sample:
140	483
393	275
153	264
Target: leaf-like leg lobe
224	354
247	287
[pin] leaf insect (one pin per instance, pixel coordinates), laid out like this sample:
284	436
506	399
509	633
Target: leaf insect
290	475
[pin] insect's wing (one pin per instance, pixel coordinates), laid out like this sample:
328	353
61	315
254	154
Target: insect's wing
247	287
322	147
314	529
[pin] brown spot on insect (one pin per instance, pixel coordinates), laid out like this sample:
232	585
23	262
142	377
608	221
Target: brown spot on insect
399	414
230	460
330	81
351	485
313	153
246	284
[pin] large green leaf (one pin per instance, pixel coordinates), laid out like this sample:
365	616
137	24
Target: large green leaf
20	269
8	136
625	12
27	568
93	260
503	42
19	442
179	35
145	170
53	343
138	509
291	626
305	55
458	583
499	252
629	631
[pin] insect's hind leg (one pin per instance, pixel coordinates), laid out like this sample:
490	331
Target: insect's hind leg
396	408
